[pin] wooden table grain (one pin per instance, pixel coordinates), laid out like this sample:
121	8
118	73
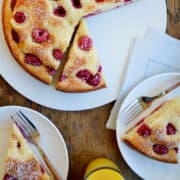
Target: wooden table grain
84	132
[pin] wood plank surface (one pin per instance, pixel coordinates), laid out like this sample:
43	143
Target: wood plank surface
84	132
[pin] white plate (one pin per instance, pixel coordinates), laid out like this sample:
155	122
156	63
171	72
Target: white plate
145	167
51	139
112	33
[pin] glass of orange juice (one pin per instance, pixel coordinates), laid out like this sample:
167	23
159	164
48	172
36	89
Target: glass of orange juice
102	168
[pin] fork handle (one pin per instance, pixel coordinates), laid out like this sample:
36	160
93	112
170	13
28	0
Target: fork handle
56	176
172	87
163	93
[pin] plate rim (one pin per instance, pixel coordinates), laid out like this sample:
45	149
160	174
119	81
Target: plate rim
117	122
58	132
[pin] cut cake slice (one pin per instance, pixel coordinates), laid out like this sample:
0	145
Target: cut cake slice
157	135
82	71
21	162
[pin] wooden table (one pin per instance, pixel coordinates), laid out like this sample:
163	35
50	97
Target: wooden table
85	132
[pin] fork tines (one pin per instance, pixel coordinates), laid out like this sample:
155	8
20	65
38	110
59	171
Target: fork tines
23	123
20	114
131	111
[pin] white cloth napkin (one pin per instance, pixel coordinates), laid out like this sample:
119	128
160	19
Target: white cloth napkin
156	53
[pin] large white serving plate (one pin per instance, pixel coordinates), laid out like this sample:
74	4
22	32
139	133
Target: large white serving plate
51	139
112	33
145	167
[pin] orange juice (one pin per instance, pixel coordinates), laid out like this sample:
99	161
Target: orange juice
104	169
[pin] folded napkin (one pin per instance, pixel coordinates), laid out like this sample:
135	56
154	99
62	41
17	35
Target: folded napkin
155	54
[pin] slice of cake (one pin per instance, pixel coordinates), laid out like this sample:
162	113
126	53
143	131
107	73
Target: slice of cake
82	71
158	134
21	163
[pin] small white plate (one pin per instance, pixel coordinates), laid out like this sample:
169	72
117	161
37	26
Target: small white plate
51	139
145	167
112	33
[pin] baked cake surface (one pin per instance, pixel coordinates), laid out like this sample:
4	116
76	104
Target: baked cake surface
38	32
157	135
82	70
21	163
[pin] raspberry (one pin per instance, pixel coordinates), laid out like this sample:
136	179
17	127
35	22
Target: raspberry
20	17
13	3
32	60
51	71
15	36
176	149
84	75
40	35
60	11
58	54
77	4
144	130
100	69
42	169
170	129
85	43
160	149
94	80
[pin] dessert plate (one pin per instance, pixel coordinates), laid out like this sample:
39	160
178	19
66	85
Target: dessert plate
51	139
112	33
154	169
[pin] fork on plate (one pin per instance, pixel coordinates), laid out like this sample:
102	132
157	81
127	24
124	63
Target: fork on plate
142	103
31	133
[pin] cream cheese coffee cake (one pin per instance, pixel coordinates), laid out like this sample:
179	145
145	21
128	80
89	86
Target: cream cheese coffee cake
39	32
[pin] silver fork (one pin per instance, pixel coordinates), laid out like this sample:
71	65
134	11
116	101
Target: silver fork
31	133
142	103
